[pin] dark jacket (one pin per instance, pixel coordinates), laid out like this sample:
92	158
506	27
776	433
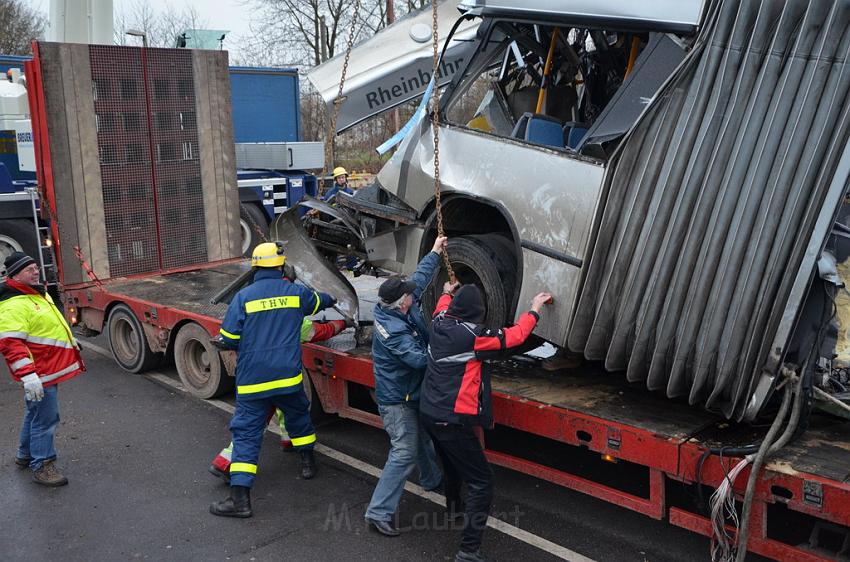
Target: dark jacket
457	382
400	343
263	323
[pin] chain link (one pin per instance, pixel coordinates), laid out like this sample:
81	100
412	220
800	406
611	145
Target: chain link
339	99
435	127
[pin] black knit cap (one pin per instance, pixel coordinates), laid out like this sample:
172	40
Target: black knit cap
15	262
468	305
394	287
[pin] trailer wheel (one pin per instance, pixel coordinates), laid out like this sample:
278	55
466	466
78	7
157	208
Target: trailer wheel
253	226
317	413
199	364
18	235
128	343
476	260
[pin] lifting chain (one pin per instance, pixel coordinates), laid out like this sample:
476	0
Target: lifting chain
339	99
435	127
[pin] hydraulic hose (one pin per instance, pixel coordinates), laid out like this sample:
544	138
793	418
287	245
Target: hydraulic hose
768	447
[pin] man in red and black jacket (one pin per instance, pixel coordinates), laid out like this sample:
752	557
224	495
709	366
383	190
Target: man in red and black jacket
456	401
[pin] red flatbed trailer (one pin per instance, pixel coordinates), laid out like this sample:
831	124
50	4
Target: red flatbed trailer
582	429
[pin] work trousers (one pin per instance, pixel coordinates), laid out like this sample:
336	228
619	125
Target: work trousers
39	427
409	446
249	423
222	460
463	460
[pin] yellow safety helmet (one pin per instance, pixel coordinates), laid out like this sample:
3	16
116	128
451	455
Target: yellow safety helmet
339	171
268	254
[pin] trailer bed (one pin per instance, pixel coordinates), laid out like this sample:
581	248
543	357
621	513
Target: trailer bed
188	291
823	450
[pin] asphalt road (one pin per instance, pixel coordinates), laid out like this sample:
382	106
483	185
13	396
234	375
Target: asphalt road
136	452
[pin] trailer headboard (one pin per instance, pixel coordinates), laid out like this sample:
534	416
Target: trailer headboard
135	157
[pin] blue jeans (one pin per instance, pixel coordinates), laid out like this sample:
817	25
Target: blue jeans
409	446
40	421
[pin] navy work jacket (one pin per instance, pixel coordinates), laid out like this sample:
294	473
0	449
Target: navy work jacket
263	323
400	343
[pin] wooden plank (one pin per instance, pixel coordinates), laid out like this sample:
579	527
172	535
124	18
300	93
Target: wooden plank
91	190
75	166
60	157
215	124
206	150
229	203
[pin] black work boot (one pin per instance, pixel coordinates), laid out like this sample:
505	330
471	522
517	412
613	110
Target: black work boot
238	504
308	464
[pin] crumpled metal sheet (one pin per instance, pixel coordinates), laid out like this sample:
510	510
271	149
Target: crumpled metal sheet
718	205
313	269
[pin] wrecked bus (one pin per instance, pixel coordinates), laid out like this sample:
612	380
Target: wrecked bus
675	191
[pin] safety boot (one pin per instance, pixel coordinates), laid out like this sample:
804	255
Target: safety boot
238	504
308	464
47	475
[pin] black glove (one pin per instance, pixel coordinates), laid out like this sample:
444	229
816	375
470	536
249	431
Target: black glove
218	342
289	272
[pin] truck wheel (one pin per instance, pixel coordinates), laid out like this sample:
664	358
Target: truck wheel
479	262
198	363
254	227
18	235
128	342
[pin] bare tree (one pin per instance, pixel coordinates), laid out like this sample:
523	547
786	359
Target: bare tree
160	27
20	24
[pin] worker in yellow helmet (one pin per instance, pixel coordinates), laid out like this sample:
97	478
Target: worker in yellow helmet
340	184
311	331
263	324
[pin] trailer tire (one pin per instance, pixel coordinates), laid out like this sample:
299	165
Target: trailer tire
253	226
18	235
128	343
198	363
477	260
317	413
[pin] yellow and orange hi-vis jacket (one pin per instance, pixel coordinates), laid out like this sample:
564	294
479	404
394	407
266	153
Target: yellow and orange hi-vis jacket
34	337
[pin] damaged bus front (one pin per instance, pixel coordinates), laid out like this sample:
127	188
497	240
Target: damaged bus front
672	180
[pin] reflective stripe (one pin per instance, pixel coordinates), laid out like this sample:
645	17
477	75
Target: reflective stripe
318	302
306	440
21	363
50	341
272	303
52	377
18	335
243	467
457	358
271	385
229	335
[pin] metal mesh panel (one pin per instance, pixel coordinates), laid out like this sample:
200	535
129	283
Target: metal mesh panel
148	146
174	138
125	162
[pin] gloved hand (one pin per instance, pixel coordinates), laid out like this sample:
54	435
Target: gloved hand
349	322
33	389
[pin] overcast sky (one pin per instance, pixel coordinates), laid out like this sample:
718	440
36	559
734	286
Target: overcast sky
218	14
